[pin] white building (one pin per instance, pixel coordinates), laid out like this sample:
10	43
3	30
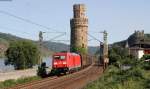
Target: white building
139	52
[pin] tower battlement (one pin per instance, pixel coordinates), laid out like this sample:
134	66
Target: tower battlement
139	33
79	10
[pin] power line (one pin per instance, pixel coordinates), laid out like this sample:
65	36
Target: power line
58	36
53	32
26	20
94	38
5	28
69	40
62	40
37	24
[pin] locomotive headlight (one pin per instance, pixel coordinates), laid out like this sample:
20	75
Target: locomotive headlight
55	63
64	63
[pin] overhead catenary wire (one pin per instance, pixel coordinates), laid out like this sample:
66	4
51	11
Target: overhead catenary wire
62	40
39	25
6	28
94	38
28	21
52	32
58	36
34	23
69	40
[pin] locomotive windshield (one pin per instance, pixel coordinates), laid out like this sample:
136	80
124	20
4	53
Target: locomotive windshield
59	57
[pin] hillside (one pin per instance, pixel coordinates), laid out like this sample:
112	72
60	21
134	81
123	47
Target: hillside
48	47
57	47
5	40
9	37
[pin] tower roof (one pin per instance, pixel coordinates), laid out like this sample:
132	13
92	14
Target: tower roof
79	7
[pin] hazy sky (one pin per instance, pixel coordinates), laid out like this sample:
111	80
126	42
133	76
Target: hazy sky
119	17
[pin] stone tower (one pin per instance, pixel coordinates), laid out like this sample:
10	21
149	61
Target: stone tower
79	28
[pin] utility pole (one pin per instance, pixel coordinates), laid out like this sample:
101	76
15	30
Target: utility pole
104	50
40	43
101	53
41	40
105	34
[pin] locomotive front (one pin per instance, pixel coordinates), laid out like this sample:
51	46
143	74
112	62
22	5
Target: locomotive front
59	61
65	62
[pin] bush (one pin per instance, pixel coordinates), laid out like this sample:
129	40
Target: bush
146	66
9	83
147	84
146	56
115	78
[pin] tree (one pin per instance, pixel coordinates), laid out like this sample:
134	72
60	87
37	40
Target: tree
120	56
22	54
79	50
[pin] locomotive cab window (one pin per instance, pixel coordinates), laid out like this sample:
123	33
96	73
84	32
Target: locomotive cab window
59	57
56	57
62	57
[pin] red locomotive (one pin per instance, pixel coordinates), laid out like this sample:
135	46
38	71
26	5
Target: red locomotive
65	62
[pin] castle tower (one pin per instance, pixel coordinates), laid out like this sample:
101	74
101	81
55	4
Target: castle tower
79	28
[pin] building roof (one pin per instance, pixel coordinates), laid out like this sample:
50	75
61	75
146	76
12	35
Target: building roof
138	48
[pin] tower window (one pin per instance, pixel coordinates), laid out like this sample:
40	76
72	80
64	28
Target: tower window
82	45
82	30
82	37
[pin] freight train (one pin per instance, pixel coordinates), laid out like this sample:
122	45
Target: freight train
66	62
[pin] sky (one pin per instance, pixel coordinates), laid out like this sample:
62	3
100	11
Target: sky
120	18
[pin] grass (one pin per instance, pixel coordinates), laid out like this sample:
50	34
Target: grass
114	78
12	82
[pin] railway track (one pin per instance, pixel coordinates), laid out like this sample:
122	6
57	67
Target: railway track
21	86
76	80
80	80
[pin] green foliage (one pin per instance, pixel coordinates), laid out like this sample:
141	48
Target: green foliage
79	50
22	54
3	41
147	84
146	65
115	77
9	37
119	56
12	82
146	57
6	83
28	79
